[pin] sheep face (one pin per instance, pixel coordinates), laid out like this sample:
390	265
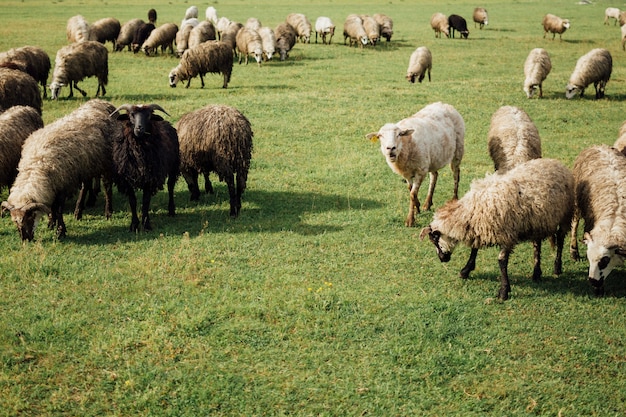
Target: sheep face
26	218
530	90
391	139
602	260
444	244
173	78
258	55
571	90
55	89
364	40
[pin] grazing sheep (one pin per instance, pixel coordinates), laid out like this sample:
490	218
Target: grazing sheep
353	29
421	61
302	25
152	16
620	143
211	15
623	30
103	30
229	36
421	144
622	18
30	59
193	22
213	56
536	68
372	29
141	34
268	39
600	196
386	25
16	124
145	153
285	39
593	67
162	36
18	89
127	34
439	23
253	23
611	13
458	23
324	27
554	25
77	29
216	138
55	161
221	25
531	202
249	42
182	39
76	62
480	16
205	31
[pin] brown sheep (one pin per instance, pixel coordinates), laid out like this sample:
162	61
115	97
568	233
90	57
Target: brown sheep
76	62
127	33
18	88
208	57
285	39
103	30
32	60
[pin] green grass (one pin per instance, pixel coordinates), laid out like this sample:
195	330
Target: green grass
316	300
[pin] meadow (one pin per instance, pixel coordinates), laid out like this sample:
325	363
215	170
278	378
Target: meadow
316	300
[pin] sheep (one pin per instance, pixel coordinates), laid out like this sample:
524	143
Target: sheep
600	195
191	13
302	25
620	143
152	16
32	60
16	124
212	56
386	25
611	13
76	62
182	39
593	67
622	18
285	39
249	42
221	25
145	152
18	89
55	160
372	29
531	202
458	23
536	69
480	16
162	36
423	143
353	29
439	23
421	61
229	35
253	23
103	30
216	138
554	25
324	27
127	33
623	30
268	39
77	29
142	33
205	31
211	15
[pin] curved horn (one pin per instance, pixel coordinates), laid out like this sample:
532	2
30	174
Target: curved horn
37	206
157	107
126	107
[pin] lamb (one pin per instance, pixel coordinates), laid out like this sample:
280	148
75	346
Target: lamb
211	15
386	25
554	25
458	23
30	59
212	56
55	161
152	16
205	31
423	143
253	23
77	29
18	89
531	202
353	29
249	42
141	34
480	16
536	69
127	33
285	39
593	67
421	61
600	195
162	36
324	27
103	30
611	13
620	143
268	39
216	138
76	62
145	153
439	23
16	124
302	25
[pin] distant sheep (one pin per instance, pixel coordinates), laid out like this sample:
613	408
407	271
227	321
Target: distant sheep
105	30
554	24
205	31
78	61
152	16
253	23
18	89
211	15
480	16
439	23
191	12
30	59
593	67
302	25
162	36
142	33
285	39
208	57
422	144
620	143
611	13
622	18
268	39
354	31
216	138
77	29
386	25
324	27
531	202
372	29
229	35
420	63
623	30
458	23
182	39
127	34
221	25
536	69
249	42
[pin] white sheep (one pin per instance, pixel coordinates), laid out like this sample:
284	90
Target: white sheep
302	25
211	15
324	27
593	67
353	29
372	29
207	57
420	63
531	202
253	23
77	29
221	25
480	16
205	31
422	144
439	23
600	198
536	69
78	61
268	39
554	24
249	42
611	13
182	39
191	12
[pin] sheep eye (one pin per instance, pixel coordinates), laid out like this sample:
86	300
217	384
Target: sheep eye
604	262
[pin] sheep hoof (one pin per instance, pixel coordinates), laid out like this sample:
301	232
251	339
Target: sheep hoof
503	293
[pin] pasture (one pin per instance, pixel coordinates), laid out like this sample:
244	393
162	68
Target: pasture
316	300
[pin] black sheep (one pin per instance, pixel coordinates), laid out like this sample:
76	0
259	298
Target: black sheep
141	35
145	153
459	24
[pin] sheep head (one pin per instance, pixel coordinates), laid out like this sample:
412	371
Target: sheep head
55	89
602	260
140	116
26	218
444	244
173	78
391	139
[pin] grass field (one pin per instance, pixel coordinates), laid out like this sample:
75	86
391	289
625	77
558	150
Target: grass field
316	300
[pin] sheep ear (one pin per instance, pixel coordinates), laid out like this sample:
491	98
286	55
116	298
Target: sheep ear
587	238
5	207
406	132
425	231
373	137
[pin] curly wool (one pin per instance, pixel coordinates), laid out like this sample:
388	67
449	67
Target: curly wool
32	60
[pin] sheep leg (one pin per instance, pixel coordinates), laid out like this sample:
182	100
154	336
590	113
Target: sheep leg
414	204
108	197
537	259
80	201
191	178
93	192
201	80
71	90
171	206
57	212
558	259
145	207
431	189
232	193
83	92
470	265
208	187
573	246
189	82
132	201
101	88
505	286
